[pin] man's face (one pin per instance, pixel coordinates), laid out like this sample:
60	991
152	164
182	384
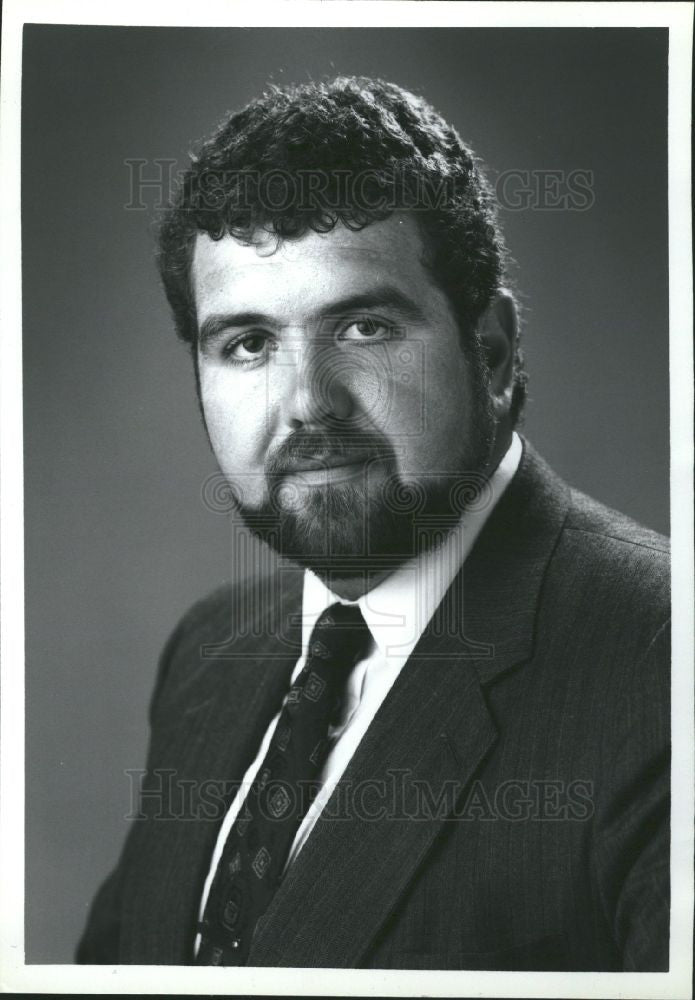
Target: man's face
337	396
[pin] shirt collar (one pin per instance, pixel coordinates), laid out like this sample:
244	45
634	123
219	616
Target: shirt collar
398	609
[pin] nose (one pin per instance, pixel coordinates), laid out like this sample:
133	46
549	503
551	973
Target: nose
317	390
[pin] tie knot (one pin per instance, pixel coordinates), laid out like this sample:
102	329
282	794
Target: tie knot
340	632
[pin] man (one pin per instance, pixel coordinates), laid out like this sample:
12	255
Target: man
434	734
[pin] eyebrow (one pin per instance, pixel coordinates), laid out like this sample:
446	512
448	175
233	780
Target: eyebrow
216	324
386	297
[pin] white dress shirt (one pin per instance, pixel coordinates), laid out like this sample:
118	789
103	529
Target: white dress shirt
396	612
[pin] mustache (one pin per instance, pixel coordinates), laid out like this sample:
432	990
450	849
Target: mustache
318	449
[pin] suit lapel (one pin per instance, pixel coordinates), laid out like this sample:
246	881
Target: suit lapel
428	737
424	745
221	706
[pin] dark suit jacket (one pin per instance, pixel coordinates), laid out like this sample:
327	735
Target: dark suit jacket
508	806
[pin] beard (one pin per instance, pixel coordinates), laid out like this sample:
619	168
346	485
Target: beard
374	519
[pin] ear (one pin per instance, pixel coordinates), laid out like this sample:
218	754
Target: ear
498	328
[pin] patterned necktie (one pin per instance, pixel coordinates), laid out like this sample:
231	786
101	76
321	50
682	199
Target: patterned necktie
259	842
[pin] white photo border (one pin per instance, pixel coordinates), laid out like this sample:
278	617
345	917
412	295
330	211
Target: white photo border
14	974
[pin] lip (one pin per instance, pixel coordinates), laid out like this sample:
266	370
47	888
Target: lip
320	472
326	464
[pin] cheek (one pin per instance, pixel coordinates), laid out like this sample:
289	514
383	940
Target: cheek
442	382
429	417
237	421
449	399
365	377
389	387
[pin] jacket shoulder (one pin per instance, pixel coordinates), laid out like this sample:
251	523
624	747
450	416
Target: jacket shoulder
204	620
594	518
620	547
594	558
614	567
232	618
203	624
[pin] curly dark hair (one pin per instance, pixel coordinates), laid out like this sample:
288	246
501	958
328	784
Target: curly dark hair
351	150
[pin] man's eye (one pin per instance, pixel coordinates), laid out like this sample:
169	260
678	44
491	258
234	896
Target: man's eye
250	347
365	329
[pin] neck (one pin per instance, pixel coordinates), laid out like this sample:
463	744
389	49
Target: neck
500	447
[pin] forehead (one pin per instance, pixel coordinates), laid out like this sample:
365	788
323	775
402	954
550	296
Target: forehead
316	268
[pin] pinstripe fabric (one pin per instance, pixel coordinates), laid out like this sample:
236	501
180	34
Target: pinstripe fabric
506	809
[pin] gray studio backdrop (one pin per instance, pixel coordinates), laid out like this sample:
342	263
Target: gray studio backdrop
118	539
